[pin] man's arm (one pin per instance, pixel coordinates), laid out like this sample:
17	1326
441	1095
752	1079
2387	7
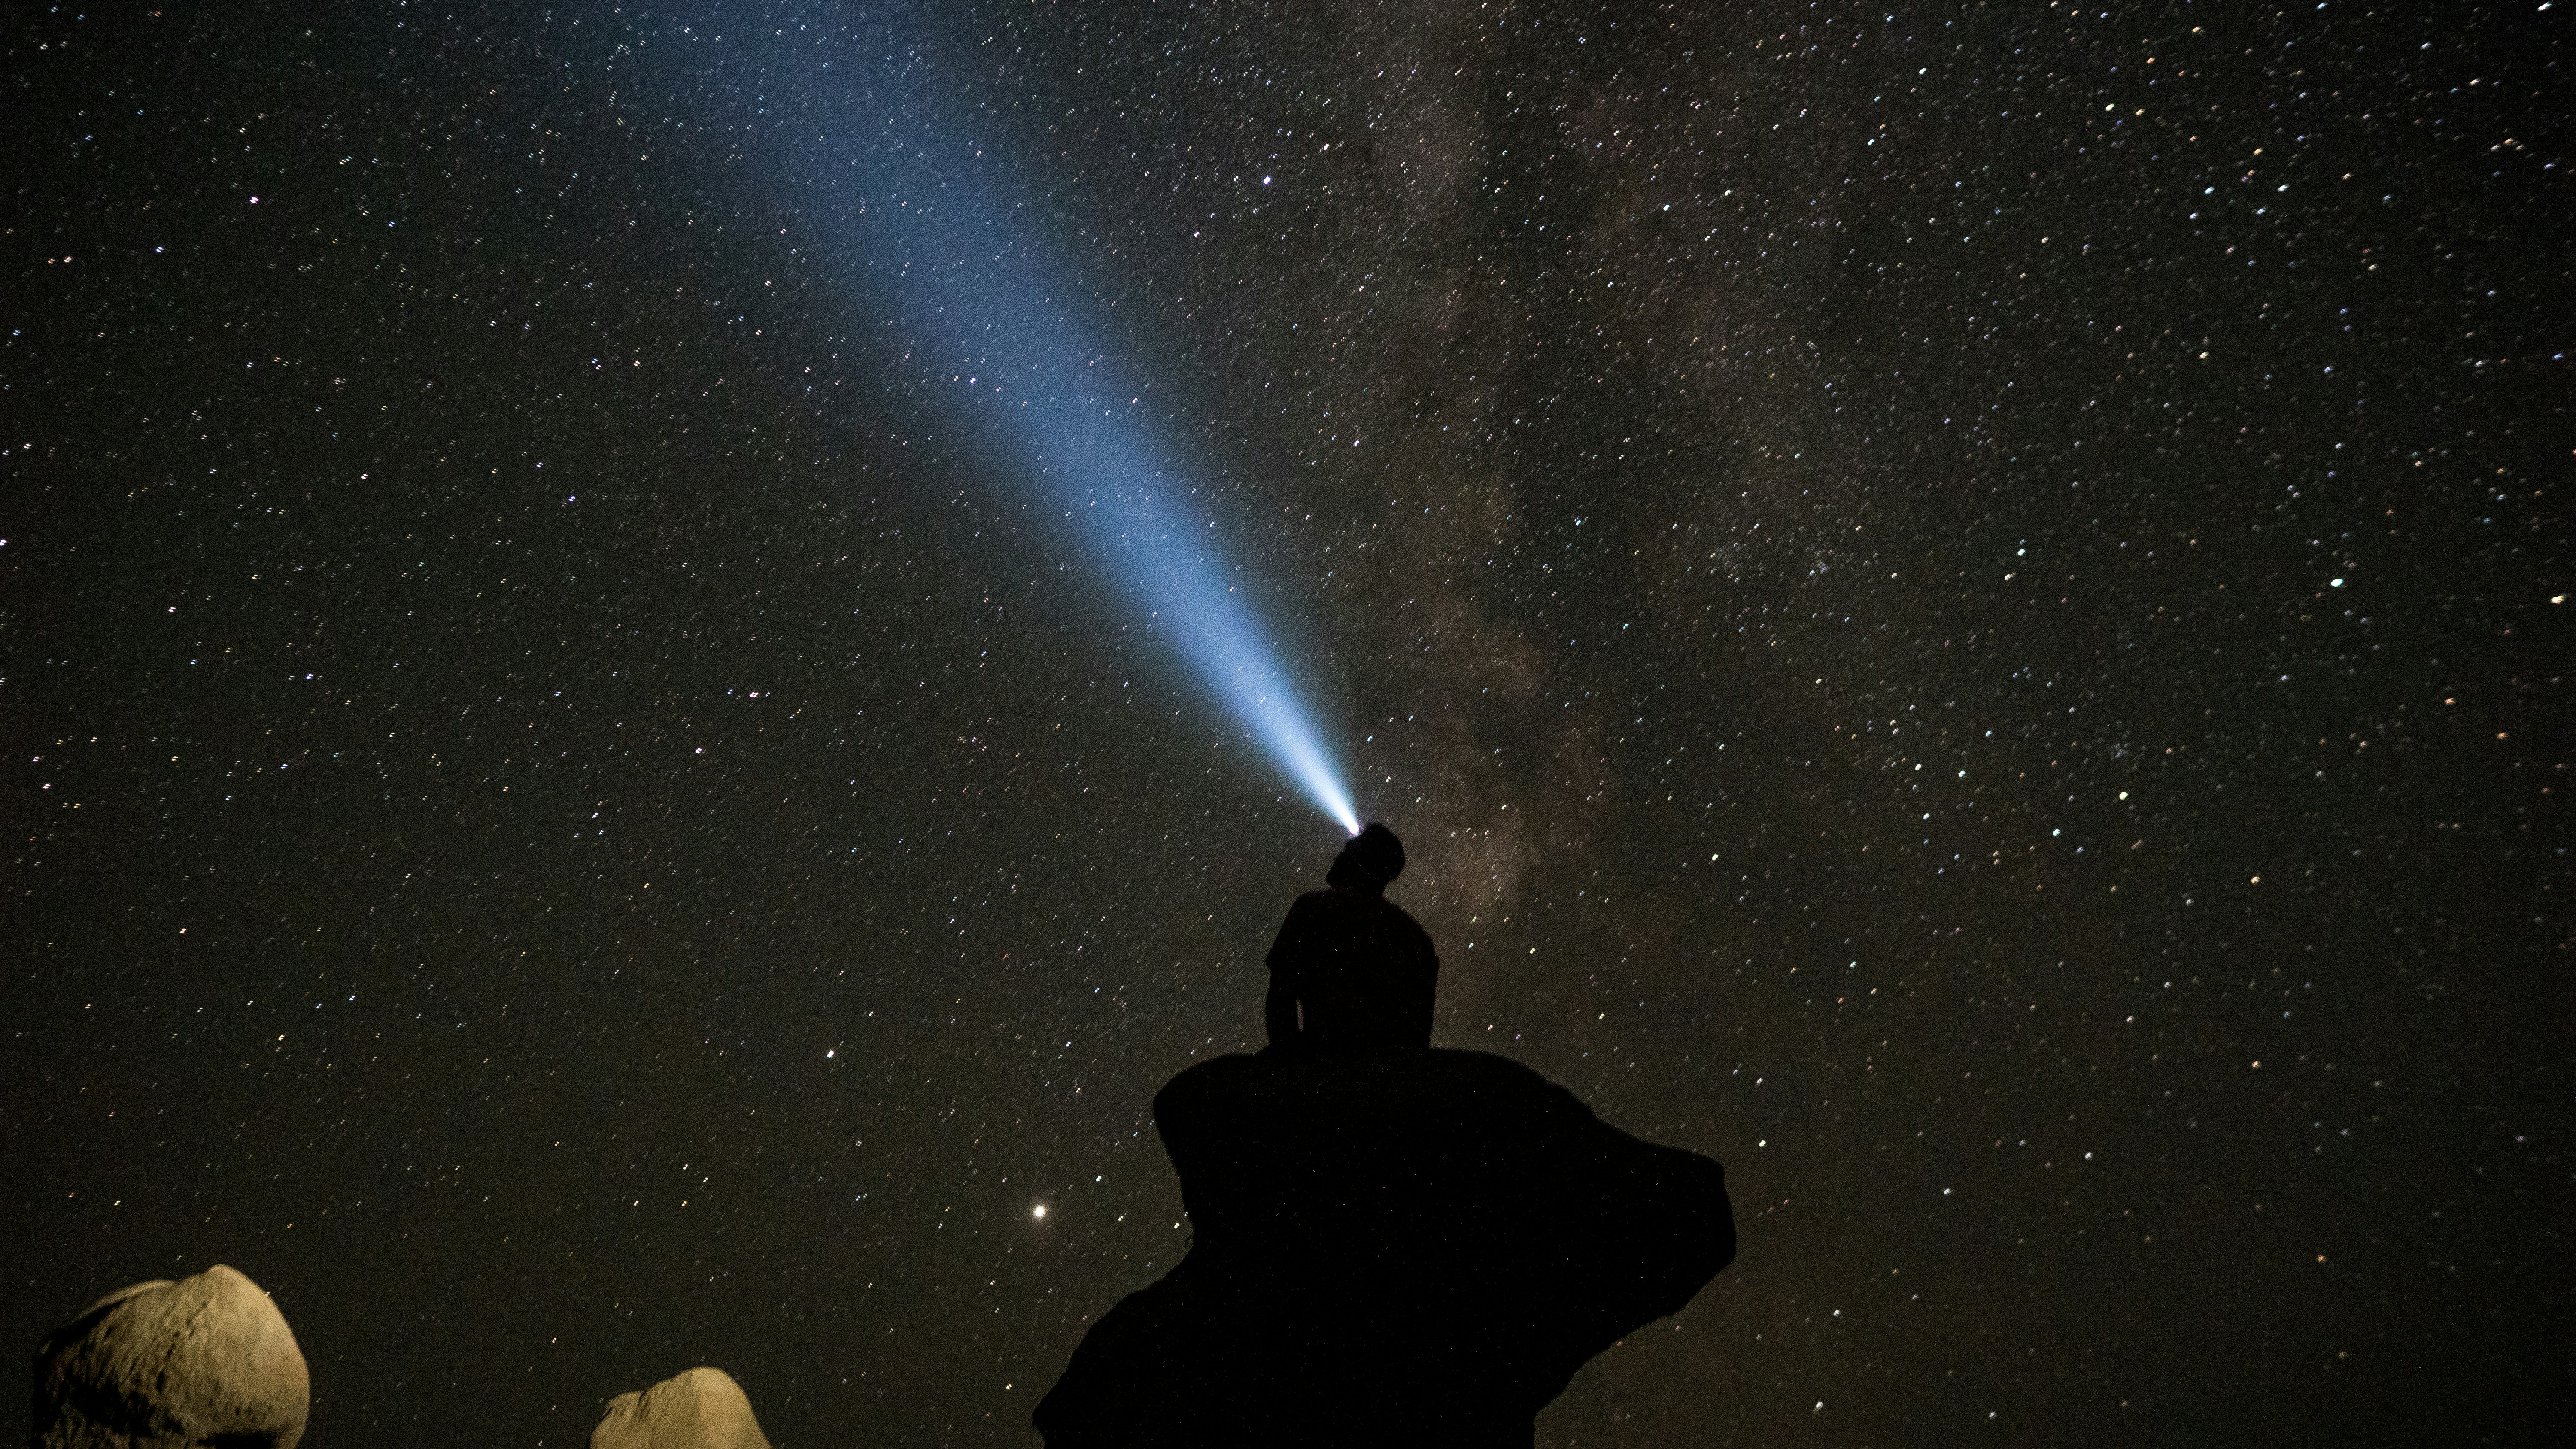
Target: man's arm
1279	1008
1279	1012
1427	972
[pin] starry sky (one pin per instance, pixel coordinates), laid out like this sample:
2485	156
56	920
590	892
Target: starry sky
1960	607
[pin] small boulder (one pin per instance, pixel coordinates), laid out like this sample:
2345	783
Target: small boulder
207	1360
701	1409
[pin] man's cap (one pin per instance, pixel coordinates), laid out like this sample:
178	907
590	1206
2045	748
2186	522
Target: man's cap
1372	858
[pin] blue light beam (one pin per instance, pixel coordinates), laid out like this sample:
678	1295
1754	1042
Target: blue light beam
858	125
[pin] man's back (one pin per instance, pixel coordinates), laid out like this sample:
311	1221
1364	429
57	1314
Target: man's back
1363	971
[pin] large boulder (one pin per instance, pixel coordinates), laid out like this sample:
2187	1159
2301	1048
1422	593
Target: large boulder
701	1409
207	1360
1402	1247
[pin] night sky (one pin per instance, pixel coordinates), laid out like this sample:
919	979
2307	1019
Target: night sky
1960	608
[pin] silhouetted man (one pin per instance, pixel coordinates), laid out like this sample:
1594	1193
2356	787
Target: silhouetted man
1350	970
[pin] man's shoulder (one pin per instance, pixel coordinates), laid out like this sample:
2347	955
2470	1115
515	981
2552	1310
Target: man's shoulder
1405	918
1356	911
1314	903
1307	915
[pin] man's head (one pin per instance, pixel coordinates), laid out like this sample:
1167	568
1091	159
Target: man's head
1371	859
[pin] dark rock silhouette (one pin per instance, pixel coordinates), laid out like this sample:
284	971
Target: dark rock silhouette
1350	969
700	1409
1408	1247
204	1361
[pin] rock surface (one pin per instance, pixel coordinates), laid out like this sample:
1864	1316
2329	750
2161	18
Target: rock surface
701	1409
1405	1247
204	1361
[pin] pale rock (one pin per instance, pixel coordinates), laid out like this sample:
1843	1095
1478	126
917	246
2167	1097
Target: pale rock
701	1409
204	1361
